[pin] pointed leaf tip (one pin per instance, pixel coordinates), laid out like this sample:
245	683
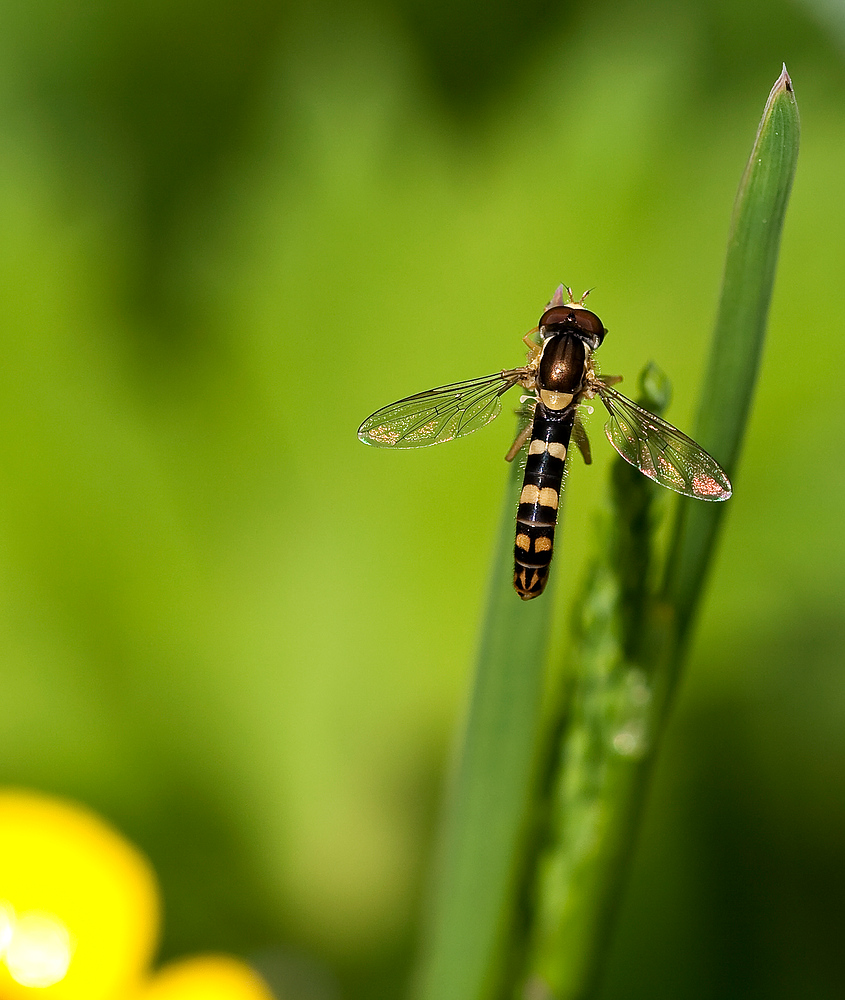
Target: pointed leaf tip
783	83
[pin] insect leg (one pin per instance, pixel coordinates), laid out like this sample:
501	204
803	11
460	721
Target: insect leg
579	433
529	343
519	442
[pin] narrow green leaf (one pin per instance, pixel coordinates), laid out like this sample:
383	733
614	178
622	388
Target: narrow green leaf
631	635
737	344
612	722
482	843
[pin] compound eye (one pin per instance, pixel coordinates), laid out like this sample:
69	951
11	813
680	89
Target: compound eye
590	327
556	316
589	323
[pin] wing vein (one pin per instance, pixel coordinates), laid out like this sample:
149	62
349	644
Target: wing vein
660	451
441	414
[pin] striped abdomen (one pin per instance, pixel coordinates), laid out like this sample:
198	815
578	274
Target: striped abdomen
538	503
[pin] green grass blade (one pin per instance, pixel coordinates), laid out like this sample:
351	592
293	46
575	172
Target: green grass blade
612	723
738	337
482	844
630	638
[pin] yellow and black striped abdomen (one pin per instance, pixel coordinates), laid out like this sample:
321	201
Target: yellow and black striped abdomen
536	516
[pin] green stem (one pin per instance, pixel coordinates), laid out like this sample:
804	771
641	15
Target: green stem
601	762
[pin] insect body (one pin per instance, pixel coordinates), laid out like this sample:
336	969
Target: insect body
536	515
559	375
561	380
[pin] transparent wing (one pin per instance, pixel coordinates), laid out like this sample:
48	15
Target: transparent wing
660	451
441	414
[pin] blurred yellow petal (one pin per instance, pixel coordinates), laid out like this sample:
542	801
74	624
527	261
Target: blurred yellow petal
206	977
39	950
7	924
79	905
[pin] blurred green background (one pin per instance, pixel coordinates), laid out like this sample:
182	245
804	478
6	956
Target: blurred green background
229	232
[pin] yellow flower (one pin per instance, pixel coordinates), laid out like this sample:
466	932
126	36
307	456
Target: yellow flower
206	977
80	910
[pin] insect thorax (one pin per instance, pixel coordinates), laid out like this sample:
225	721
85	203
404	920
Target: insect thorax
562	370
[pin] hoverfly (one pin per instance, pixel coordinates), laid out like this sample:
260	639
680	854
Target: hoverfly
559	375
